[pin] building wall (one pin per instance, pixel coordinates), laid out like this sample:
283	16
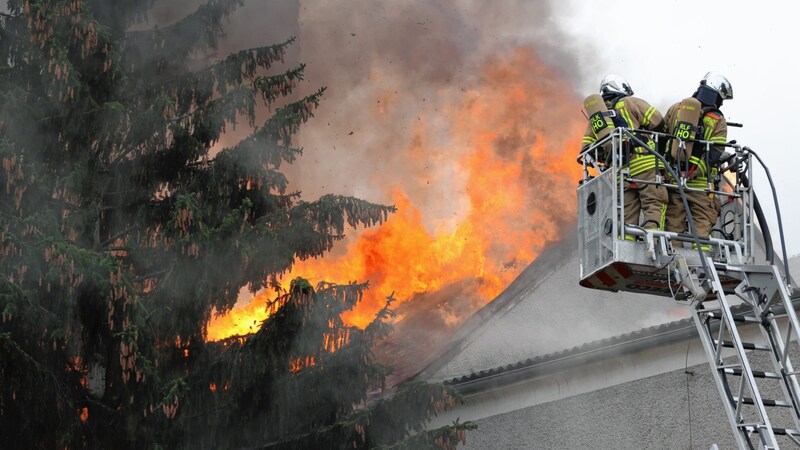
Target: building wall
659	398
673	410
545	310
633	400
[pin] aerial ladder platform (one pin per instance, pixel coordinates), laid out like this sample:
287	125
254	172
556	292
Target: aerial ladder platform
741	300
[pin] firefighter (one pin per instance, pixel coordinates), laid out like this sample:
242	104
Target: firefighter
634	113
698	162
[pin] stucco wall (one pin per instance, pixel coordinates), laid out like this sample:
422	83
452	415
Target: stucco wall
651	413
673	410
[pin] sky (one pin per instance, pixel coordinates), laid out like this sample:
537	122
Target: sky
664	51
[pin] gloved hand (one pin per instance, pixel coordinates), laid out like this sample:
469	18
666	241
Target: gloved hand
741	167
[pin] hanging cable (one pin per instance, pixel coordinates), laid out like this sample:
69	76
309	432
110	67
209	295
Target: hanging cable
769	251
789	280
688	373
689	217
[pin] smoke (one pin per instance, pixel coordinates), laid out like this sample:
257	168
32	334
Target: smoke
393	72
463	114
463	107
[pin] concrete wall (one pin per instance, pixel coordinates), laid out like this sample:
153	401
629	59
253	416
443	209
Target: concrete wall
668	411
545	310
639	400
673	410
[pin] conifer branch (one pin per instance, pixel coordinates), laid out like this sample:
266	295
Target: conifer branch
121	236
118	235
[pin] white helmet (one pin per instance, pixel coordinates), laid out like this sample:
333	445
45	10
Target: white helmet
614	85
719	83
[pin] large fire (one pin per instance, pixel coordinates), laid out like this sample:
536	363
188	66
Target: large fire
518	134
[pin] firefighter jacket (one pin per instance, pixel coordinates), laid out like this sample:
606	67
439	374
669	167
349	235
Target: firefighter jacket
715	129
635	114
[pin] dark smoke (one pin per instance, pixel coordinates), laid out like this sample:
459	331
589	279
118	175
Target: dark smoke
392	70
394	73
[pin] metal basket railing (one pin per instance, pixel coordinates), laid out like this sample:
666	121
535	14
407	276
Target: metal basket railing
605	162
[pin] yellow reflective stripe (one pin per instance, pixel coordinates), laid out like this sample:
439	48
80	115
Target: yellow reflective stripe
700	181
642	161
648	115
589	139
636	162
663	220
625	114
717	139
638	171
710	122
697	183
642	164
700	163
642	167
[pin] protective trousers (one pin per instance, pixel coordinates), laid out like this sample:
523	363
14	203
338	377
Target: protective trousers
649	199
704	210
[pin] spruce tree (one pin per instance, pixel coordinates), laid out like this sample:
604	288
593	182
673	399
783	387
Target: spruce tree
123	227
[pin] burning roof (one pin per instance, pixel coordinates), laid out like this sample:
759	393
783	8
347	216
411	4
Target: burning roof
482	184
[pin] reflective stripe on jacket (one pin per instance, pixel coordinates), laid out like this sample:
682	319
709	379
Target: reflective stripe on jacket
637	114
715	129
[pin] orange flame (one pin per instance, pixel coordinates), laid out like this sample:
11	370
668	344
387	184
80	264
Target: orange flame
517	135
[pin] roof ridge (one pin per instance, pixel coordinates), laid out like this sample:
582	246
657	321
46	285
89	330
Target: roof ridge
551	258
664	332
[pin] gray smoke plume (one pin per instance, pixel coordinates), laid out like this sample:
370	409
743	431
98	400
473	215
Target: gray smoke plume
401	78
392	70
396	117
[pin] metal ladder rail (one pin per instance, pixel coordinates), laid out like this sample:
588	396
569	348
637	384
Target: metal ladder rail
742	426
763	289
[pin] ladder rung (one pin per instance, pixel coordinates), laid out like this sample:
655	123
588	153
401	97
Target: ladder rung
729	366
745	345
753	428
786	431
747	319
756	373
778	316
749	401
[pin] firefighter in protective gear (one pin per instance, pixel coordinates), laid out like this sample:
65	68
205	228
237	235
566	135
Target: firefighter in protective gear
700	165
634	113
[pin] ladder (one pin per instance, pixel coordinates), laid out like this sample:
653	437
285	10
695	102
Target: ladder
743	310
758	383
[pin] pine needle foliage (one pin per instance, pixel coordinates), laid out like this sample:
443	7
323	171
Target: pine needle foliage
124	225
